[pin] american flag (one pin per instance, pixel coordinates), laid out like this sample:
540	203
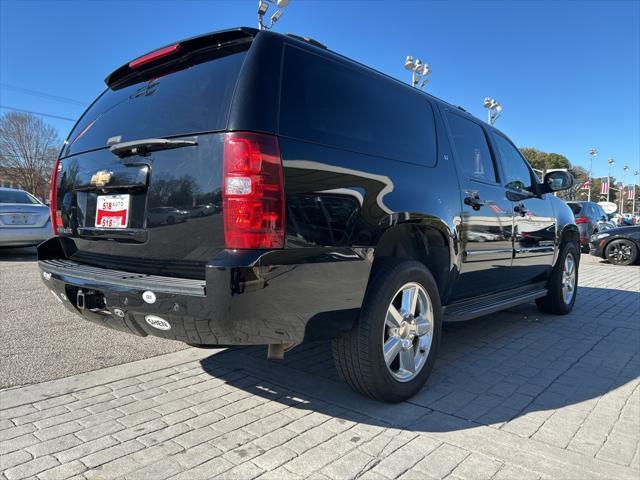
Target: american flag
585	185
604	188
631	192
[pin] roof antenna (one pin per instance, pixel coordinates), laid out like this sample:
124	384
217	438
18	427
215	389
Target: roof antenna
263	6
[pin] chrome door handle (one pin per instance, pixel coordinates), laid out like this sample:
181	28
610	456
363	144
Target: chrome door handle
473	200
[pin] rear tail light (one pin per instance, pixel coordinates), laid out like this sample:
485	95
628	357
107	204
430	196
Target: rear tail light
56	213
582	219
253	191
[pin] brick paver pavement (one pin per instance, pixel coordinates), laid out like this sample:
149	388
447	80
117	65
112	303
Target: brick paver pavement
517	395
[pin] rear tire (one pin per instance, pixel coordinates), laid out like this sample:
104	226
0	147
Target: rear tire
409	330
621	252
563	283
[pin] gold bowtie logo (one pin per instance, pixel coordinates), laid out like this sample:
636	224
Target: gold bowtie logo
101	178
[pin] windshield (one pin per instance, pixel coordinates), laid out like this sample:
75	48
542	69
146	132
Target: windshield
575	208
192	100
17	196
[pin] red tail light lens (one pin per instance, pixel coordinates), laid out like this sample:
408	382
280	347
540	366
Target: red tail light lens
55	212
252	192
582	219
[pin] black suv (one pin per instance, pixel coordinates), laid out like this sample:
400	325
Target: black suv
348	206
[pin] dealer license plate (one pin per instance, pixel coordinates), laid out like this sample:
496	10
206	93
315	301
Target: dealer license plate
112	211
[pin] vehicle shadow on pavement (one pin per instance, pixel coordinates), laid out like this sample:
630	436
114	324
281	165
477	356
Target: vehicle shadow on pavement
489	371
18	254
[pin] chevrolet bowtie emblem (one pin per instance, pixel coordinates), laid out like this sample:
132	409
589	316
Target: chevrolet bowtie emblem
101	178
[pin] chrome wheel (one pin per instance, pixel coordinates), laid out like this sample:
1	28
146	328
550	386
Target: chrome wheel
569	278
408	332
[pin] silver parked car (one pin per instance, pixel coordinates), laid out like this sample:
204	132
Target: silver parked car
24	220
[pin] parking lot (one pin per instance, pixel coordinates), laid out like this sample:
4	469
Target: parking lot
513	395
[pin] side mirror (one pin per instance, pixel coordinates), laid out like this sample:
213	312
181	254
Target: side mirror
556	181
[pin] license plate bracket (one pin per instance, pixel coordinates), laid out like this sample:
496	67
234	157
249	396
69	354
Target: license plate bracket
112	211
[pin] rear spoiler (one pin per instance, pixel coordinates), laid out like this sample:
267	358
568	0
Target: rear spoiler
176	55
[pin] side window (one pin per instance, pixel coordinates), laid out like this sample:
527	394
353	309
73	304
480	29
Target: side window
517	174
335	103
473	154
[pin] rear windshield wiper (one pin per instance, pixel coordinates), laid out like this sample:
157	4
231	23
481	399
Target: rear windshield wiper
147	145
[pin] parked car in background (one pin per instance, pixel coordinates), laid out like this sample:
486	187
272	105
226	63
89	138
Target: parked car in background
354	207
590	218
24	220
619	245
166	216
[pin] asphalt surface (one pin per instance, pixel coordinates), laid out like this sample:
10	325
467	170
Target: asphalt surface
41	340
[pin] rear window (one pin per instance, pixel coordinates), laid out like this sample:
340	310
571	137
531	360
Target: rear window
196	99
334	103
575	208
17	196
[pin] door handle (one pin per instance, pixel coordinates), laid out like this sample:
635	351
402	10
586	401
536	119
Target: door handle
473	200
521	209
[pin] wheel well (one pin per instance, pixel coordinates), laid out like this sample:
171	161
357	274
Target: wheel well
424	244
570	235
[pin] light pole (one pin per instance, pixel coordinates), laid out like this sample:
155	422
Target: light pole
419	71
625	169
592	153
633	199
493	109
611	163
263	6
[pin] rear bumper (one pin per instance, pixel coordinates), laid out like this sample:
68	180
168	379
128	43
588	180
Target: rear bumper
247	298
24	236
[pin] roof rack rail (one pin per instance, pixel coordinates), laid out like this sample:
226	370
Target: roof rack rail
460	108
308	40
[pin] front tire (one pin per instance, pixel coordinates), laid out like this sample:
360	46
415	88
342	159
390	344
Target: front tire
563	283
390	352
621	252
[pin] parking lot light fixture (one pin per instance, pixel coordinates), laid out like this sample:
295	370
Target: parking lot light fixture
494	108
419	71
263	6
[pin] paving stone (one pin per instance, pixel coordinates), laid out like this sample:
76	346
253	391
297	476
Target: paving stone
30	468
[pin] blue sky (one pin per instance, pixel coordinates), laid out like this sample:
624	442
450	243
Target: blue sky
567	73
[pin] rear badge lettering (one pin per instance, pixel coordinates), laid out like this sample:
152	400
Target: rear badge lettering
157	322
149	297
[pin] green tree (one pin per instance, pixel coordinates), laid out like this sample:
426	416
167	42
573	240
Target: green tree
544	161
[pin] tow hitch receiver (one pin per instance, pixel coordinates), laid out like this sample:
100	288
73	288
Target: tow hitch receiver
90	300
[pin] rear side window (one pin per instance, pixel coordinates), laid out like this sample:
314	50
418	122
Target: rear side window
576	208
472	151
17	196
345	106
195	99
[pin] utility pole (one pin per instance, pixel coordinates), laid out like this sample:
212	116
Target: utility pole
611	162
592	153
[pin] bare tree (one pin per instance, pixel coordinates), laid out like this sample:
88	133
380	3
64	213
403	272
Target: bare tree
28	148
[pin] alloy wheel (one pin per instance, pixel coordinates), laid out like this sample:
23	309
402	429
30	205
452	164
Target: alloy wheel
569	278
408	332
619	252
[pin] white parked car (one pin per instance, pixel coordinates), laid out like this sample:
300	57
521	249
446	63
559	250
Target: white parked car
24	220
